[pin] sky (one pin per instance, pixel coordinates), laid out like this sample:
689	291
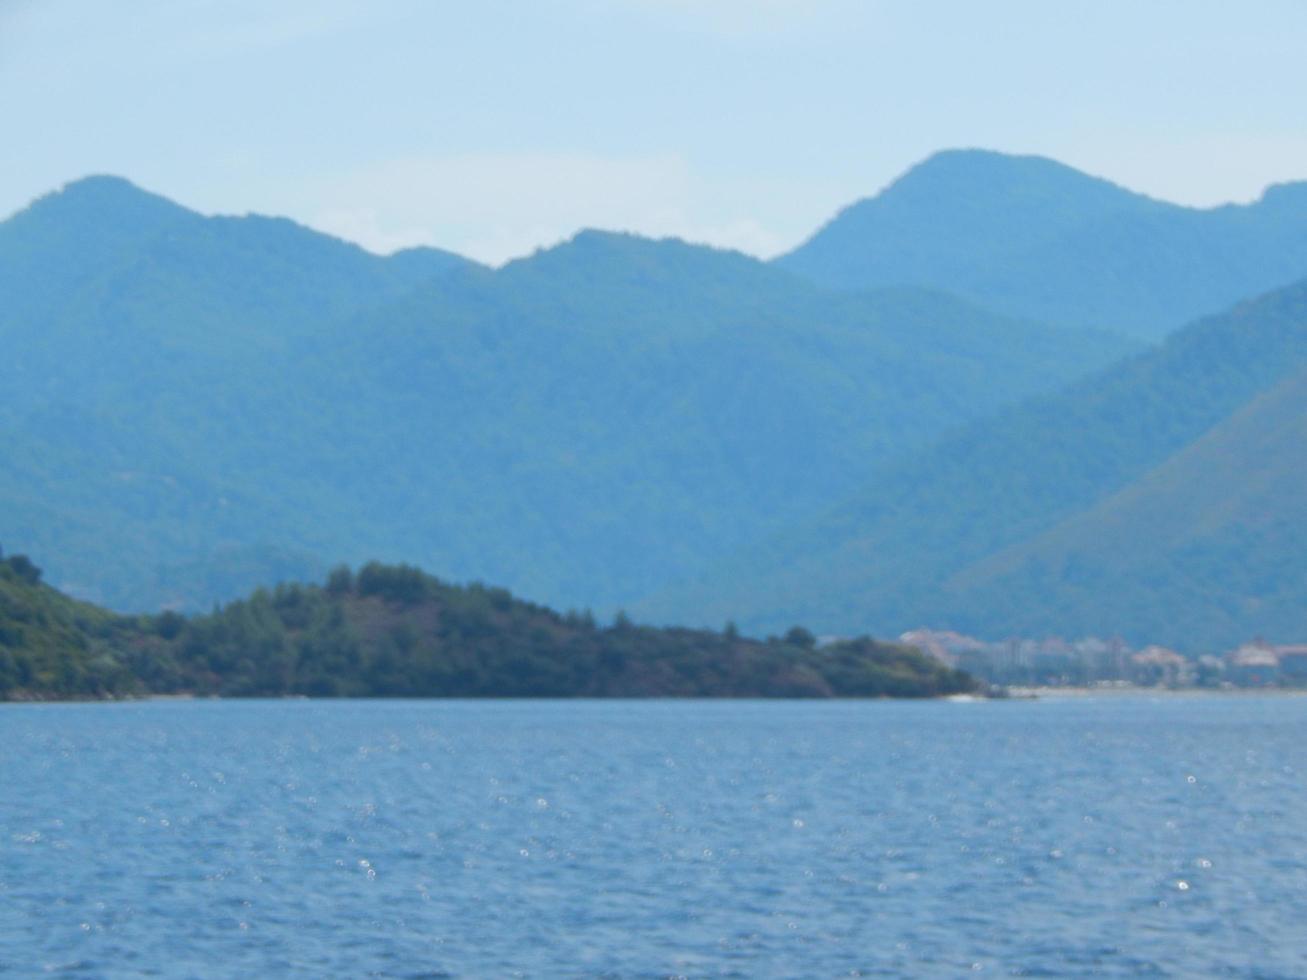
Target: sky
494	127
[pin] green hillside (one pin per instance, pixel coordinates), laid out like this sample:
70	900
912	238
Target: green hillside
1032	237
391	631
1158	499
1206	548
54	646
192	406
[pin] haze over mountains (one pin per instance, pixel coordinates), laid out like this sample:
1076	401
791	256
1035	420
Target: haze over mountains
193	406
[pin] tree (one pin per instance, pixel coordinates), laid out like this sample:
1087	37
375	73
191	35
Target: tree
23	567
340	581
800	637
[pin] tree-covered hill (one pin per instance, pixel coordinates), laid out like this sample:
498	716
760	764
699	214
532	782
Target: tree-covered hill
52	646
1031	237
1205	550
192	406
1160	499
392	631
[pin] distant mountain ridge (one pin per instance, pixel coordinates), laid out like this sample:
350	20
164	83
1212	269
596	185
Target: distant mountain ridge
1030	237
1160	499
195	405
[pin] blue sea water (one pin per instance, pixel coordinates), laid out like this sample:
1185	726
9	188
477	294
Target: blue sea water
1125	836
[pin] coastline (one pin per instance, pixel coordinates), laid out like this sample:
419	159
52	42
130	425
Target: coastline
1068	693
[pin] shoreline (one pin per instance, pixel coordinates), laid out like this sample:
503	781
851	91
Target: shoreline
1052	693
1018	693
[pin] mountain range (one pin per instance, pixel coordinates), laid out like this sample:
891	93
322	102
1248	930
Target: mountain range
197	405
949	407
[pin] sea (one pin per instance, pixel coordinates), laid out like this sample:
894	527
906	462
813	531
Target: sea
1057	837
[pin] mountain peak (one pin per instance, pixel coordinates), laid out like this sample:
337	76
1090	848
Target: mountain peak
594	248
978	161
1028	236
111	190
975	179
628	242
100	184
633	260
1292	195
601	236
107	202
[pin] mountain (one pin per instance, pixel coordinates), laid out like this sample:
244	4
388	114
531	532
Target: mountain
133	330
396	632
1205	548
640	407
1030	237
193	405
1159	499
104	263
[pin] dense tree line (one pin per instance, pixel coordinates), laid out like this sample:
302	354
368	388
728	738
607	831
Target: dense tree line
393	631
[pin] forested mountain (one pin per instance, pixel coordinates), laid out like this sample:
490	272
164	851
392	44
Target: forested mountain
392	631
191	406
1160	499
1031	237
134	330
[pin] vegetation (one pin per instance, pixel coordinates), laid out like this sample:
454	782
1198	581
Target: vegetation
52	646
392	631
193	406
1030	237
1160	500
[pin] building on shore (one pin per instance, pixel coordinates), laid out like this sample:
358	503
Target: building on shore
1056	662
1156	666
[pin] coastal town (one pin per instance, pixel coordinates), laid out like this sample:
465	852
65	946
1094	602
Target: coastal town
1095	662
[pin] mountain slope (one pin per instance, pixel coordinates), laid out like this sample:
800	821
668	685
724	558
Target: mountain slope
1121	505
1031	237
102	265
584	425
1206	546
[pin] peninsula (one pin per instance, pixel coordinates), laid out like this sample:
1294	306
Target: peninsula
394	631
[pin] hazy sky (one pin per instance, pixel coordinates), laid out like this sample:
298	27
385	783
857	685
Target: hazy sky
492	127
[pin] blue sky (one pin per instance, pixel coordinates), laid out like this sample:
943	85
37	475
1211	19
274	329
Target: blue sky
493	127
